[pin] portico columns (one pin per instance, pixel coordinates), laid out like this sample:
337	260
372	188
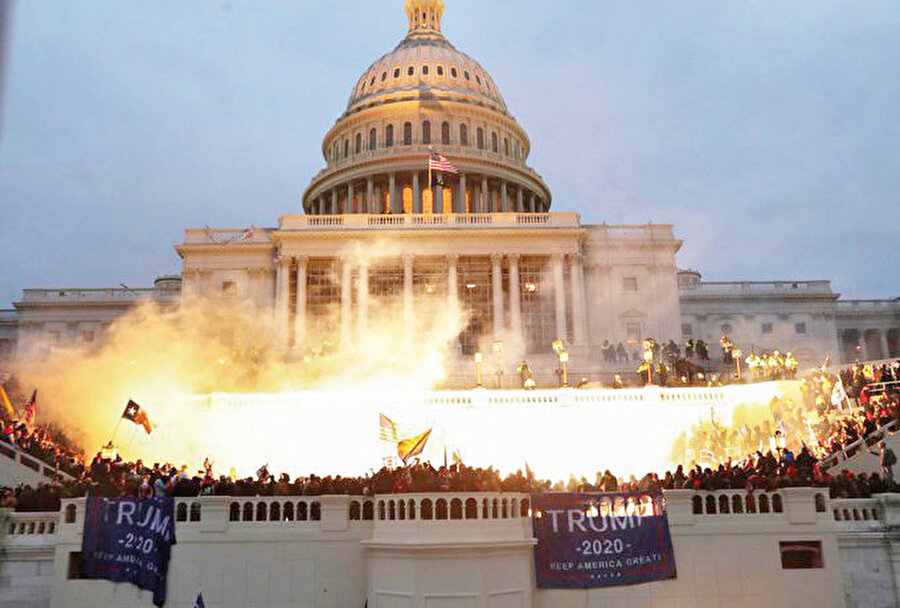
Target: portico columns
437	199
515	299
504	200
334	201
533	204
497	291
370	196
396	203
362	300
417	193
300	312
281	295
885	351
345	301
379	201
576	272
484	196
519	196
348	208
453	286
559	295
408	296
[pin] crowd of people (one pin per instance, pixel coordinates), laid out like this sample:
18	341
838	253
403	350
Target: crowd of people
787	454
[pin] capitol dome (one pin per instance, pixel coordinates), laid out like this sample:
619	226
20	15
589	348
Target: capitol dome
425	96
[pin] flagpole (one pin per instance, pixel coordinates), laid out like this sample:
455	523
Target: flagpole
116	430
430	190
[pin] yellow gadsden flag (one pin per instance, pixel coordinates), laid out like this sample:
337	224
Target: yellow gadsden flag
7	406
413	446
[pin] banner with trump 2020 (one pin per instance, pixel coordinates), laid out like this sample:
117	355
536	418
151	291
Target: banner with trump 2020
129	540
600	539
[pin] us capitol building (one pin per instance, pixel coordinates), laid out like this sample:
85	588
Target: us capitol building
484	243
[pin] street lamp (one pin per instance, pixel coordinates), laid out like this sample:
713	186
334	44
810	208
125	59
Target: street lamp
564	359
479	358
559	347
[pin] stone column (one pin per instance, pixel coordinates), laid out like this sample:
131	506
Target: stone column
362	300
453	286
408	296
437	199
334	201
281	295
370	195
484	195
396	203
559	295
504	200
345	301
379	200
348	208
515	295
533	204
579	319
885	350
300	312
417	193
497	292
520	206
461	195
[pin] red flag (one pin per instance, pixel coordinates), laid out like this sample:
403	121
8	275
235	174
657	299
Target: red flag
137	415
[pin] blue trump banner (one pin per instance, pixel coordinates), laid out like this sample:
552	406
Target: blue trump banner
600	540
129	539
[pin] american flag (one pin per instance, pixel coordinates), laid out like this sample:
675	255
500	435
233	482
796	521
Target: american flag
439	162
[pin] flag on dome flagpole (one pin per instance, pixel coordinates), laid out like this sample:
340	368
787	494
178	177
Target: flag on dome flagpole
413	446
439	162
137	415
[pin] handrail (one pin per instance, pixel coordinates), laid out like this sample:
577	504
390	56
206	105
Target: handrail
850	450
17	454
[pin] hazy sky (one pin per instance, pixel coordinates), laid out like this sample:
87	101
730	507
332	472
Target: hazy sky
767	132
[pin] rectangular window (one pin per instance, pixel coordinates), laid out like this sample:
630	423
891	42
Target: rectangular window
687	329
630	284
800	329
229	288
87	335
766	328
633	332
726	329
76	566
797	555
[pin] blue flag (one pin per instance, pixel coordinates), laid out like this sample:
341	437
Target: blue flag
129	540
600	540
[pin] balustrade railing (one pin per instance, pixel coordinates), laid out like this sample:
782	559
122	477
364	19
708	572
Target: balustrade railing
851	511
851	449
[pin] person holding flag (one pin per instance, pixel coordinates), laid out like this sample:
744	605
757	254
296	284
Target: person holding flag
441	164
30	411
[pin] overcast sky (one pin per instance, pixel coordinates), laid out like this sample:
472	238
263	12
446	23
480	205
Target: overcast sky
768	133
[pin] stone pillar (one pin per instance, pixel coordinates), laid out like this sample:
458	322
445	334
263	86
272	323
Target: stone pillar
362	300
281	295
504	200
453	286
484	195
461	194
533	204
300	312
885	350
497	292
579	319
437	199
334	201
559	295
396	203
379	200
370	195
345	301
417	193
515	295
348	208
520	206
408	320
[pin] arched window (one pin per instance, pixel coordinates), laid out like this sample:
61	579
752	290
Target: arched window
820	503
301	511
697	505
456	509
288	511
383	76
427	512
426	132
401	509
776	503
523	508
737	505
463	135
479	138
518	151
275	512
392	510
445	133
763	503
495	509
373	136
723	504
234	512
407	134
396	72
70	513
495	147
368	510
248	511
471	509
506	146
195	511
505	511
425	70
441	509
412	509
710	504
440	70
358	147
261	511
411	71
346	148
382	510
407	199
453	72
354	510
389	136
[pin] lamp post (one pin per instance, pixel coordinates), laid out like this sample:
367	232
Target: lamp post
479	359
647	346
564	359
562	369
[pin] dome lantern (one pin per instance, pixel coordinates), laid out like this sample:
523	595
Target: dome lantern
424	15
